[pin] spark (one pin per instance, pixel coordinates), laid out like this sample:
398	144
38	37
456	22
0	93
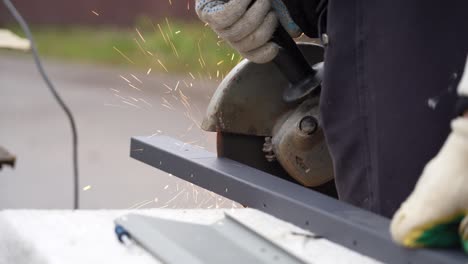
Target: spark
95	13
162	33
144	101
220	62
138	150
149	71
121	97
190	127
134	105
177	32
162	65
150	53
124	79
175	197
112	105
158	132
86	188
174	49
200	52
191	75
134	87
169	26
232	57
123	55
140	206
177	85
133	98
167	103
184	100
140	47
217	74
167	186
167	86
167	106
141	36
134	77
115	90
139	203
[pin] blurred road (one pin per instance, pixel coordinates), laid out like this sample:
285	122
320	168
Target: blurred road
108	111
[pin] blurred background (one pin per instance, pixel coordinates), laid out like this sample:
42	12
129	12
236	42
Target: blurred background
125	68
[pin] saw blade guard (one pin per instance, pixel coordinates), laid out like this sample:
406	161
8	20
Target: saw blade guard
250	102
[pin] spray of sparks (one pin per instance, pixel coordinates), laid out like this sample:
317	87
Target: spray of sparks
174	99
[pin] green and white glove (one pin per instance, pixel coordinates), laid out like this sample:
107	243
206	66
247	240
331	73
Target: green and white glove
248	28
435	214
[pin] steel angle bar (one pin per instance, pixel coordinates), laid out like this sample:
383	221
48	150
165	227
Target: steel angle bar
354	228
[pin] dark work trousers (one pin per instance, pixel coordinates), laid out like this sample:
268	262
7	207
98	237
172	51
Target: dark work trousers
386	101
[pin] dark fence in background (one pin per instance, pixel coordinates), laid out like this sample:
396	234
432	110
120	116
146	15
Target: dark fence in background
111	12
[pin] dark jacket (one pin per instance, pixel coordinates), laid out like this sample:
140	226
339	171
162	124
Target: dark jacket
308	14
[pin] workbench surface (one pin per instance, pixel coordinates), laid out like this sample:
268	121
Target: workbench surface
57	237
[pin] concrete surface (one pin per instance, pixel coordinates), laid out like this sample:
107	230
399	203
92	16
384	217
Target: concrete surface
56	237
108	112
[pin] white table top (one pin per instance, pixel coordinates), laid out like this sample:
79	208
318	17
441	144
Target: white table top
57	237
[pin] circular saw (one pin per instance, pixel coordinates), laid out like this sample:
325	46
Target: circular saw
267	116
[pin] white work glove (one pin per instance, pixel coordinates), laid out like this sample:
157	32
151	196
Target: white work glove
432	215
248	29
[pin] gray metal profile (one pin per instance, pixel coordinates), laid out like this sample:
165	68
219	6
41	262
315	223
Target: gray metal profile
226	241
354	228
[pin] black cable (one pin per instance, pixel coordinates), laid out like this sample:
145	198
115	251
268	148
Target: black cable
24	26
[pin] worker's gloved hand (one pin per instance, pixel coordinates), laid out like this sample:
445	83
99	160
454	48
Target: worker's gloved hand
435	214
247	27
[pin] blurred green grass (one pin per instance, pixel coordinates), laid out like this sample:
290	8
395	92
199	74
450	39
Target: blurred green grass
179	46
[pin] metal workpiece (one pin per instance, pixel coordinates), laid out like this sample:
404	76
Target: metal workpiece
225	241
354	228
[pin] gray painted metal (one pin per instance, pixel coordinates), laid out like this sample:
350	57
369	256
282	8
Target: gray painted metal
354	228
225	241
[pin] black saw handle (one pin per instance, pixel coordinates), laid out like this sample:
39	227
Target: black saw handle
303	78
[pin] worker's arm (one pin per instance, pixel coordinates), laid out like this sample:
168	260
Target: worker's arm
436	213
248	25
306	14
